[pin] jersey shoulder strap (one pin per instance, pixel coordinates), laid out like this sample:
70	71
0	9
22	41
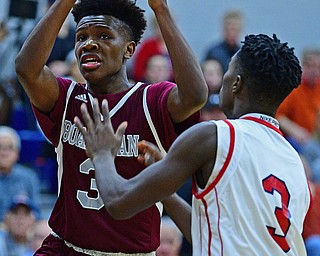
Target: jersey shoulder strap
149	119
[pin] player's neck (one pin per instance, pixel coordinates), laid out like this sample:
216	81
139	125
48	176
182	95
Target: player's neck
110	87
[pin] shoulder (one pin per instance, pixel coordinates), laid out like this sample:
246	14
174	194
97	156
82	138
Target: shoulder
162	85
66	85
196	146
64	81
161	88
200	133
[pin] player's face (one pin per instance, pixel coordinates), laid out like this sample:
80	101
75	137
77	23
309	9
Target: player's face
101	43
226	94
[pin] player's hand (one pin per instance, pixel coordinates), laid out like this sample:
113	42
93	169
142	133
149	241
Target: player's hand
148	153
98	132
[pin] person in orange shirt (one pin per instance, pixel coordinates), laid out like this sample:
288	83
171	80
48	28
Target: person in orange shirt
297	113
311	226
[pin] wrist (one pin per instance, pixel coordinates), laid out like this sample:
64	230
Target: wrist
102	155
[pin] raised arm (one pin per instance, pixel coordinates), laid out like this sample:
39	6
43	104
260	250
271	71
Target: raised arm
38	81
192	151
191	92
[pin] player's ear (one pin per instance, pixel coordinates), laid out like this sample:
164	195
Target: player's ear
130	49
237	85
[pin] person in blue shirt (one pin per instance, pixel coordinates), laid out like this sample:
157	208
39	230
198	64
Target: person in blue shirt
18	221
15	179
223	50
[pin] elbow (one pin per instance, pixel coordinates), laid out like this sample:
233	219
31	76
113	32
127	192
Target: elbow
200	97
20	67
201	93
203	97
204	94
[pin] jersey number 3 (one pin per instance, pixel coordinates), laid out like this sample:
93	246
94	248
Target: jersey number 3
86	201
271	184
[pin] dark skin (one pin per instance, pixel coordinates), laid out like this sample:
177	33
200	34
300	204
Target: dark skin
102	50
193	153
104	39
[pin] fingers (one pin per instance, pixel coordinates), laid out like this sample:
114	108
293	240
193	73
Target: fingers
96	111
145	159
79	124
121	129
90	122
99	133
87	118
105	112
84	133
144	146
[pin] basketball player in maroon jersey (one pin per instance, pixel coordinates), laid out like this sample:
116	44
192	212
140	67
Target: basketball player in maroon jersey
107	33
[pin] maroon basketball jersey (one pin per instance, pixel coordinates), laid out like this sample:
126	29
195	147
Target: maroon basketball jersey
78	215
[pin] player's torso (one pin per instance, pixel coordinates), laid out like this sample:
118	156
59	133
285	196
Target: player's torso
79	200
239	213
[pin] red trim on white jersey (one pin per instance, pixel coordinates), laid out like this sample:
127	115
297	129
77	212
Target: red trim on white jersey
255	119
224	167
219	232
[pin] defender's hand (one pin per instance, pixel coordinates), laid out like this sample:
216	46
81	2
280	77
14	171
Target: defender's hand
98	134
148	153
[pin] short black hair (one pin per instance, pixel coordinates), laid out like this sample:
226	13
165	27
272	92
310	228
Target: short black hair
270	68
124	10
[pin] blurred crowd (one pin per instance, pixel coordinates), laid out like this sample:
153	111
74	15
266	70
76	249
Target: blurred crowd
28	179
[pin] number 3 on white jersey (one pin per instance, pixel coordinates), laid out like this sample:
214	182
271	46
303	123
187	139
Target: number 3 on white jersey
271	184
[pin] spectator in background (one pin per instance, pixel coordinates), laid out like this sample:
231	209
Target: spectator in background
63	45
6	104
154	45
18	221
311	226
38	232
170	238
311	151
158	69
15	179
13	102
74	71
213	74
232	26
8	51
298	112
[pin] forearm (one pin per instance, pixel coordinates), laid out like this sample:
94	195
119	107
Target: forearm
38	46
187	71
124	198
180	212
109	183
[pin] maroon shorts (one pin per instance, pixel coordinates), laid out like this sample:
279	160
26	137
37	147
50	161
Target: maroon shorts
53	246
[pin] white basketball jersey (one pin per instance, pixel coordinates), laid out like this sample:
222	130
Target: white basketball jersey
257	196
